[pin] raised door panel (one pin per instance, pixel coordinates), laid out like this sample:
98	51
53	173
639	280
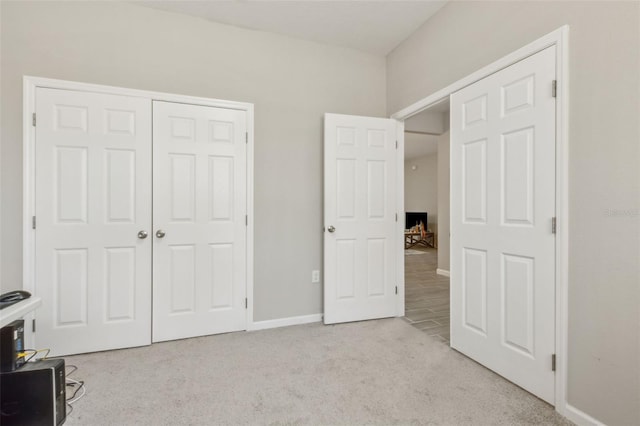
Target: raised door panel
221	285
120	283
120	196
71	184
517	177
517	283
183	187
474	180
221	188
71	270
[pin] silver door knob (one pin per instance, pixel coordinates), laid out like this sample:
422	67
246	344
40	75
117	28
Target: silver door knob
143	234
332	229
160	233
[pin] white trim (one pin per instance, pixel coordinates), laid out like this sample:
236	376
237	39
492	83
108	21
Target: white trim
551	39
284	322
579	417
400	222
251	217
28	186
562	230
29	106
443	272
560	39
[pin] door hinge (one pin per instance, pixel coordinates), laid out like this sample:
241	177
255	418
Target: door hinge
396	217
33	222
33	325
246	220
553	362
396	289
33	119
396	144
246	303
553	225
246	137
554	88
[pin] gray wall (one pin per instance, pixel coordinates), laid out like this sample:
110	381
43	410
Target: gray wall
443	201
292	83
604	184
421	187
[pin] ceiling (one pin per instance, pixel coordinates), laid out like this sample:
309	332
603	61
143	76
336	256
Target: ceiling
418	145
371	26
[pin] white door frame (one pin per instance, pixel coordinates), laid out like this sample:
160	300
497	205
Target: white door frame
30	84
560	39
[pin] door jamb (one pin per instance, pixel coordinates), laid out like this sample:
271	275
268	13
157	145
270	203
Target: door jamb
30	84
400	217
560	39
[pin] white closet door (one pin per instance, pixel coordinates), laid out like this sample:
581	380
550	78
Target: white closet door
199	204
502	205
93	178
360	241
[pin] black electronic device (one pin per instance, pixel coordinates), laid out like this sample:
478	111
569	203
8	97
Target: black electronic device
34	394
13	297
11	345
412	219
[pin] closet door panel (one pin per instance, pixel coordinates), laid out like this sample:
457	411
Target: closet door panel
199	196
93	197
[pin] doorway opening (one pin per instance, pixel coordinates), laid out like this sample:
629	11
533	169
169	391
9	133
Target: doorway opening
426	206
482	109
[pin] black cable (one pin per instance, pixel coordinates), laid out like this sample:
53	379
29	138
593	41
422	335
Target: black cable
35	352
72	371
80	386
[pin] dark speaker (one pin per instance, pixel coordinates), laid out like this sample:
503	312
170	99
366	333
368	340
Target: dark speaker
11	343
34	394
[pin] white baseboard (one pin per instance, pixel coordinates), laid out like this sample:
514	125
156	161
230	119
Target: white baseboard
443	272
284	322
579	417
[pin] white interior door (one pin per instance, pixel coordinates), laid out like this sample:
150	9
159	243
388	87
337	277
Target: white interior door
360	216
502	205
93	174
199	216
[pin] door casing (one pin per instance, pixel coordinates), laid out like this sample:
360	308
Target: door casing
560	39
29	107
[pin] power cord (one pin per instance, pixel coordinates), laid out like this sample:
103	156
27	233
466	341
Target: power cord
77	386
32	353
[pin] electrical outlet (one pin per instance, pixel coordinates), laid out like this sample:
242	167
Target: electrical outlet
315	276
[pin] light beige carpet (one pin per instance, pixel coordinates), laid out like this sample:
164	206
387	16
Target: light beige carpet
376	372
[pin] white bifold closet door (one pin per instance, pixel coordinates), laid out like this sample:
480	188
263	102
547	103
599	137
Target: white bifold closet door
93	179
502	207
199	215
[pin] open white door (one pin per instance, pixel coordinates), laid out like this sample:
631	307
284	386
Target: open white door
502	210
93	215
199	217
360	216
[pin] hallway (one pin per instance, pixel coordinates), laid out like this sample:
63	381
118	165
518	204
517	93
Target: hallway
426	293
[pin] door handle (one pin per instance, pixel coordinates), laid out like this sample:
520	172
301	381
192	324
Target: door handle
143	234
331	229
160	233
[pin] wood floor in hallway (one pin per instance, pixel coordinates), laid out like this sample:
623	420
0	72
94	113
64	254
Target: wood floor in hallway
426	293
